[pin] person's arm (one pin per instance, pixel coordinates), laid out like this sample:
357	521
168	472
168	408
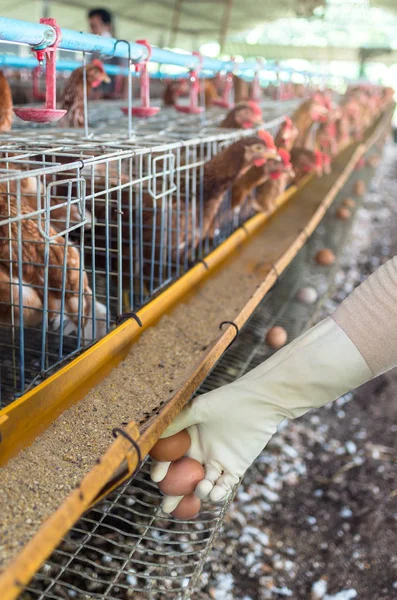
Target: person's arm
230	426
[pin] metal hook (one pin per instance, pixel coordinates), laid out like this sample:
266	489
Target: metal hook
133	443
128	315
129	78
237	332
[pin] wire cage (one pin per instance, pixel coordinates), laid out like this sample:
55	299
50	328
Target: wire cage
93	228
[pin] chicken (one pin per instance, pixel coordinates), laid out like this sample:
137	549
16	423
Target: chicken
64	207
308	161
241	89
220	173
61	260
255	176
73	95
27	185
173	90
286	135
174	228
281	175
210	93
343	134
6	112
351	109
306	115
244	115
326	138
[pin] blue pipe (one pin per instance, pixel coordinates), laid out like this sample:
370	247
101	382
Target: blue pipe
36	34
30	62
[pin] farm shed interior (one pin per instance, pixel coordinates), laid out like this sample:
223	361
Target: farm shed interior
124	281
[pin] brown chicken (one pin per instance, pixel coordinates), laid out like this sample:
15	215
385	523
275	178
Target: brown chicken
286	135
210	93
241	89
351	110
73	95
306	115
6	112
326	138
173	90
244	115
64	210
178	229
36	253
219	174
343	133
256	175
308	161
279	178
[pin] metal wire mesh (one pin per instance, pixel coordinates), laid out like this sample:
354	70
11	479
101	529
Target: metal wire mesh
92	228
126	547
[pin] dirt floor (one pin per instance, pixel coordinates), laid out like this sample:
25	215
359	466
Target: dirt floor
316	516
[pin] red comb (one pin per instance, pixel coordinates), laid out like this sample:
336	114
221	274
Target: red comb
98	63
254	107
285	155
267	138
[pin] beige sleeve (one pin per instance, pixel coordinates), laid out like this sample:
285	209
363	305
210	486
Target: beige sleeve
369	317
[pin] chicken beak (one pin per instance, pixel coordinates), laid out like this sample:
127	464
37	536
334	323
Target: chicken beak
106	78
272	155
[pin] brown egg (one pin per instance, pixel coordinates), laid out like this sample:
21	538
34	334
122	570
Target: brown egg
171	448
182	477
349	202
343	213
359	188
373	161
188	508
276	337
325	257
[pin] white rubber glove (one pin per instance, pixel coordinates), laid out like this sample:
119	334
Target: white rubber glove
230	426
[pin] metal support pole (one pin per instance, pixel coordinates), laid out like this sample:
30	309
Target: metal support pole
176	18
225	24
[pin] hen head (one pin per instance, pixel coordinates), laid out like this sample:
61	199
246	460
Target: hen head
288	131
320	165
96	74
283	165
247	115
319	108
258	149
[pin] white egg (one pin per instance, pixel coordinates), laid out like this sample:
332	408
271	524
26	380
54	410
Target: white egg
307	295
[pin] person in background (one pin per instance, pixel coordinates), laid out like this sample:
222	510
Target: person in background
101	23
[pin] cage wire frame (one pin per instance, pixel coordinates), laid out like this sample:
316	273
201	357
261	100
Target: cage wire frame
90	229
125	547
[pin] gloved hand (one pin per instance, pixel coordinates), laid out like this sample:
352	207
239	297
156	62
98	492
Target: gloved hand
230	426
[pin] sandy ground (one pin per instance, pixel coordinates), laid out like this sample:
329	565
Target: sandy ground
316	516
